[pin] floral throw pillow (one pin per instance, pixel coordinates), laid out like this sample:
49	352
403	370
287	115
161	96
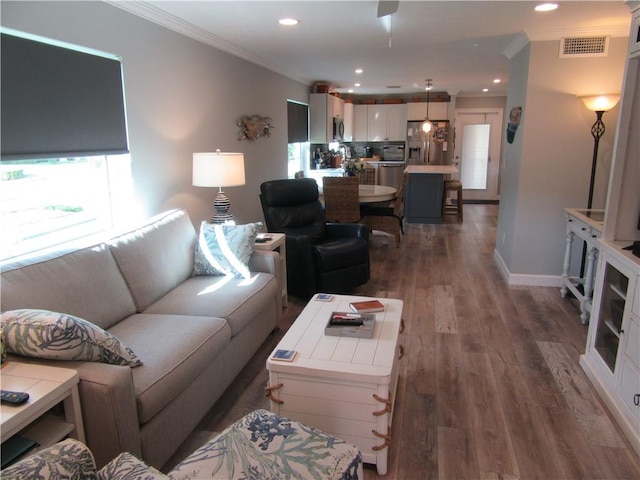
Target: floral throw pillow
59	336
225	249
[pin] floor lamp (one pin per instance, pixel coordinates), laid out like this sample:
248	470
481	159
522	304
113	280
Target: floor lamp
598	104
218	169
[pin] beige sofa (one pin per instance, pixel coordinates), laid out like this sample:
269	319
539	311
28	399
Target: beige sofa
193	333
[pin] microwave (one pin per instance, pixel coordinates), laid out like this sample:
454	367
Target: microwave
338	129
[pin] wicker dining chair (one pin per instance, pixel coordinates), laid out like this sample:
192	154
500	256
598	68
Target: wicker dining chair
341	199
367	176
387	218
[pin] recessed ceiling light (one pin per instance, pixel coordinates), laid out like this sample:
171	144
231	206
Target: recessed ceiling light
356	84
496	80
485	89
546	7
359	71
350	90
288	21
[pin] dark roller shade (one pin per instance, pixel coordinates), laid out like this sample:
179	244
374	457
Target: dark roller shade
59	102
297	122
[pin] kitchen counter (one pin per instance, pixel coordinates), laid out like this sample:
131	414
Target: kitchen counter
425	192
437	169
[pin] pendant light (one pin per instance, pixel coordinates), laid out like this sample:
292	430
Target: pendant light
427	125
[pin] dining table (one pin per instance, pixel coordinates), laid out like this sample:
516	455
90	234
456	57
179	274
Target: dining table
372	193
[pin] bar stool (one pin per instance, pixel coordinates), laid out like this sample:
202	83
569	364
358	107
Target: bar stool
452	186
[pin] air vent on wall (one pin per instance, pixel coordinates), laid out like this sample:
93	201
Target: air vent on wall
584	47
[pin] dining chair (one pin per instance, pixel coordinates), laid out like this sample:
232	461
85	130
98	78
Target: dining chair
387	218
367	176
341	199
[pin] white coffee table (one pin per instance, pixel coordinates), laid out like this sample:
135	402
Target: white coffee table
343	386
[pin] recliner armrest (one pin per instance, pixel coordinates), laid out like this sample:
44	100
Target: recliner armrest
344	230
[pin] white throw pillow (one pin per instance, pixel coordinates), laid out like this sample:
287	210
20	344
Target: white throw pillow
225	249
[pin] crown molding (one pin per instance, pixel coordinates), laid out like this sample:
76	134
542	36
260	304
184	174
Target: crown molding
153	14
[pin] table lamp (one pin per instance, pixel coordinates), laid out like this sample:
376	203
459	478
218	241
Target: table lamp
219	169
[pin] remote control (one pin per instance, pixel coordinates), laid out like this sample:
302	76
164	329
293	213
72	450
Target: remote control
13	398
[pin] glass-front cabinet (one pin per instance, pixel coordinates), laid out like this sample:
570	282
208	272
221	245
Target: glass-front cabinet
610	314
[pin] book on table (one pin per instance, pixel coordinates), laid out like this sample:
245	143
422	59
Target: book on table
348	324
367	306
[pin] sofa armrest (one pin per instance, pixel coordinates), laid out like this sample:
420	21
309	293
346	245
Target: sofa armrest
343	230
109	410
264	261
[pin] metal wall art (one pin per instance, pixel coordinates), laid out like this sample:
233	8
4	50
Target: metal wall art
254	126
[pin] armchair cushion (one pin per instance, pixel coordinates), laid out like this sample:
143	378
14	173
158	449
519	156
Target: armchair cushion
69	459
129	467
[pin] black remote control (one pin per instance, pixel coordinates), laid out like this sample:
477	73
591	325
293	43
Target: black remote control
13	398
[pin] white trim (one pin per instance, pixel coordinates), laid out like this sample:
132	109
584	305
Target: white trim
525	279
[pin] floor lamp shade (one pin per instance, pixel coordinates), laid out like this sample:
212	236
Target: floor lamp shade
219	169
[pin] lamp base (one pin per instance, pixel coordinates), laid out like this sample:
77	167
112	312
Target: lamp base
221	203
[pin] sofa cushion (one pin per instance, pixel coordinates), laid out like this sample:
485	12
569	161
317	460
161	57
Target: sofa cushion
68	459
157	256
224	249
236	300
175	349
58	336
53	282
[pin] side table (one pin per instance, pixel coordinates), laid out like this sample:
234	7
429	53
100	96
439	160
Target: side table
46	386
586	225
276	242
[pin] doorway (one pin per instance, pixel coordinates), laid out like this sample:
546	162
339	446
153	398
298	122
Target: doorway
477	152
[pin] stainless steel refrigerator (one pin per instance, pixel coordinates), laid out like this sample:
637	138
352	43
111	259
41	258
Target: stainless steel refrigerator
433	148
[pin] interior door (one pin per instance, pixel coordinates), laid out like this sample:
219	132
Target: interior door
477	151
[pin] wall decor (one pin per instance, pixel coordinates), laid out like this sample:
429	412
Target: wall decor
514	121
254	126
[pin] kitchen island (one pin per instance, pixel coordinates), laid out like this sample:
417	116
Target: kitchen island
425	188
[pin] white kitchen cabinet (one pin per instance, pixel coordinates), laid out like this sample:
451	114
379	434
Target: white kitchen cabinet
397	122
380	123
377	123
417	111
322	108
348	122
360	123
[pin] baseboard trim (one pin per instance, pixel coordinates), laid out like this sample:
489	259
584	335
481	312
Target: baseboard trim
525	279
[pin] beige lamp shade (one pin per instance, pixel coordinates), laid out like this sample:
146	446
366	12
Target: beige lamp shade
218	169
600	103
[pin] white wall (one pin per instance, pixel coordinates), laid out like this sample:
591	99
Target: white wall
182	97
548	166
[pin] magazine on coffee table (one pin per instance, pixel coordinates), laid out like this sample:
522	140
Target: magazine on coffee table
349	324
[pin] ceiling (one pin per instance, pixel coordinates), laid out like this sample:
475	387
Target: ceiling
461	45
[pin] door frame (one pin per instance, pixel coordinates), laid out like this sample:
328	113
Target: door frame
496	115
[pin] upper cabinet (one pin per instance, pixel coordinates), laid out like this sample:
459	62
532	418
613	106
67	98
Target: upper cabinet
322	109
380	123
418	111
348	122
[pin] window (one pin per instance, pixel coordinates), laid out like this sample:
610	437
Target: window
298	134
298	155
48	202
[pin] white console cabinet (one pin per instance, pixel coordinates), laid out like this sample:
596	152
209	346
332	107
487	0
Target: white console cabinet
612	356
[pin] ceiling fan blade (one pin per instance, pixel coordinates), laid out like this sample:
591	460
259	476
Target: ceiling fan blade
387	7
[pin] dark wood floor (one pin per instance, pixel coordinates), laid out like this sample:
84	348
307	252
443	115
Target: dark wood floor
490	386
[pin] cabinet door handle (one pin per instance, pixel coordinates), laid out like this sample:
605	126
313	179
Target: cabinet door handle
636	399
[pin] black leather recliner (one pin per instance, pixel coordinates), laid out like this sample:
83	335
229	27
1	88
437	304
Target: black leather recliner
321	257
